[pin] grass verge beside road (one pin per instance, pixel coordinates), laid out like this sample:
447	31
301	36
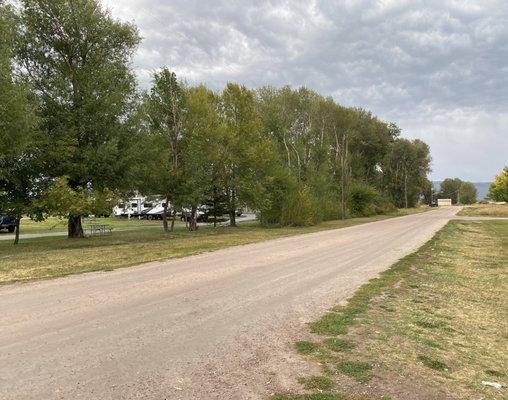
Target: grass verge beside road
51	257
485	210
433	326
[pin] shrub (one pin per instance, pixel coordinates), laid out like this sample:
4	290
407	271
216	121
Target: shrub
299	209
328	208
362	200
383	205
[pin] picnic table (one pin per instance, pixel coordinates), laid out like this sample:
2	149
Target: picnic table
100	229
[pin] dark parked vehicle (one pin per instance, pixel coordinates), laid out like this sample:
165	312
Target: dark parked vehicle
7	222
433	203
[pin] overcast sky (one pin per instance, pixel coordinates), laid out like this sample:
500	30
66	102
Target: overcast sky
439	69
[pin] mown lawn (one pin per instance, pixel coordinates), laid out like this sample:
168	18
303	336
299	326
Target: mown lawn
50	257
485	210
53	224
434	326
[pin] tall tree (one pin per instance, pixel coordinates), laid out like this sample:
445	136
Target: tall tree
18	150
468	193
77	58
498	190
164	112
405	169
242	133
201	153
459	191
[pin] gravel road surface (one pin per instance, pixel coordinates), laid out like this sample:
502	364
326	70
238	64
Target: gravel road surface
218	325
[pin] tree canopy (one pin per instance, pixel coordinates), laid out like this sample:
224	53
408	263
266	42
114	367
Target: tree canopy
459	191
498	190
76	133
76	58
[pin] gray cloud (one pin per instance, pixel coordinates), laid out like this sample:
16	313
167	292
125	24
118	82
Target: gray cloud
439	67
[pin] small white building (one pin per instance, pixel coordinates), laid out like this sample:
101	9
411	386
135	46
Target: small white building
444	202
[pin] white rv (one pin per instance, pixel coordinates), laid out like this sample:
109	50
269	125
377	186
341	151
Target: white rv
140	207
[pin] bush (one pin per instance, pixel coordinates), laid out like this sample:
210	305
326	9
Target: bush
299	209
328	208
383	205
362	200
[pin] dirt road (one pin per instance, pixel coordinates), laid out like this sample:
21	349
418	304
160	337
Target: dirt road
220	325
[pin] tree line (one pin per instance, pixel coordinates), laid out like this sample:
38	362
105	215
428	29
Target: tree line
77	134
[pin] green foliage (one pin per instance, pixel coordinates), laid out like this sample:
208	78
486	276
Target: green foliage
76	58
291	155
361	200
20	181
299	208
468	193
405	167
59	199
498	190
162	118
458	191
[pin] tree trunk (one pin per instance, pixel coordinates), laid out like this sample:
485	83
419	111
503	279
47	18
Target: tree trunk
16	229
343	173
165	217
405	189
173	217
232	218
214	206
193	223
232	209
74	227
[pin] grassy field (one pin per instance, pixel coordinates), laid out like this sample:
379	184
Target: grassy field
50	257
434	326
60	225
485	210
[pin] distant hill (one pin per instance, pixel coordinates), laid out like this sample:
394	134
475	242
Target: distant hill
481	187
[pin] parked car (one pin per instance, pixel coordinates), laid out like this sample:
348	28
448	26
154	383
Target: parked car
201	216
7	222
433	203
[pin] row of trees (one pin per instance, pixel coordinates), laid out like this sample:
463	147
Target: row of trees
76	133
460	192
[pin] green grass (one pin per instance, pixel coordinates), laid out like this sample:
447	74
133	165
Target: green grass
359	371
436	317
432	363
51	257
339	345
319	382
305	347
53	224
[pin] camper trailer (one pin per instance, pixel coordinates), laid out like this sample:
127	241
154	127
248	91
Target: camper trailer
141	207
